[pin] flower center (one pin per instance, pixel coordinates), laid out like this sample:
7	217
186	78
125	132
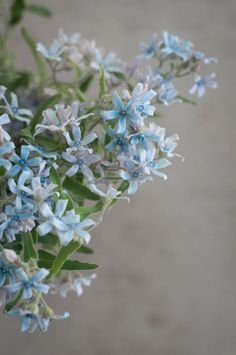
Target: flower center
14	109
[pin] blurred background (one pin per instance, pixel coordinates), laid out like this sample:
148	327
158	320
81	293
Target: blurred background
167	281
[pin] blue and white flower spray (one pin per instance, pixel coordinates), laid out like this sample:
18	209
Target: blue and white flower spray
66	156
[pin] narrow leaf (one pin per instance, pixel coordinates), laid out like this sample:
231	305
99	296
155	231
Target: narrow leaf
39	61
16	11
86	211
85	250
13	302
28	247
185	100
62	256
102	83
79	190
54	176
86	82
39	10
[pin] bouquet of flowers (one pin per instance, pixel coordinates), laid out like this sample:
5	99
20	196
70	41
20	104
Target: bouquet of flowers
75	137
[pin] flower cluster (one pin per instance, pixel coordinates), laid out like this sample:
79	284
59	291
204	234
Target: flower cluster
62	164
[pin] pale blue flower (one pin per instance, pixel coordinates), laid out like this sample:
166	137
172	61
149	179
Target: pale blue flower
66	225
201	56
53	53
81	160
6	271
80	282
22	197
44	153
149	50
119	141
6	149
77	142
76	228
168	94
28	284
4	119
111	63
123	112
53	221
13	108
201	82
23	163
134	111
134	173
175	45
14	220
154	165
60	119
29	321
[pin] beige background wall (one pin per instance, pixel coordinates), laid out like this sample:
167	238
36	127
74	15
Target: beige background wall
167	282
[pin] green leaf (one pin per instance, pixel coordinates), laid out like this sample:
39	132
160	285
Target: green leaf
45	255
35	236
28	247
185	100
86	82
76	69
38	59
86	211
16	11
79	190
85	250
2	171
54	176
13	302
14	80
46	260
38	116
39	10
49	239
119	75
26	133
102	83
62	256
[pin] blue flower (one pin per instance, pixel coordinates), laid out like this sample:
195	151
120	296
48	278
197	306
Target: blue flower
66	225
177	46
81	160
4	119
6	271
76	228
80	282
149	50
53	53
134	111
111	63
201	82
29	320
28	284
134	173
168	94
77	142
201	56
14	220
43	152
122	111
120	141
22	197
23	163
5	149
53	222
13	108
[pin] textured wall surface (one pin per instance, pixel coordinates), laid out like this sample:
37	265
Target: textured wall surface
167	282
